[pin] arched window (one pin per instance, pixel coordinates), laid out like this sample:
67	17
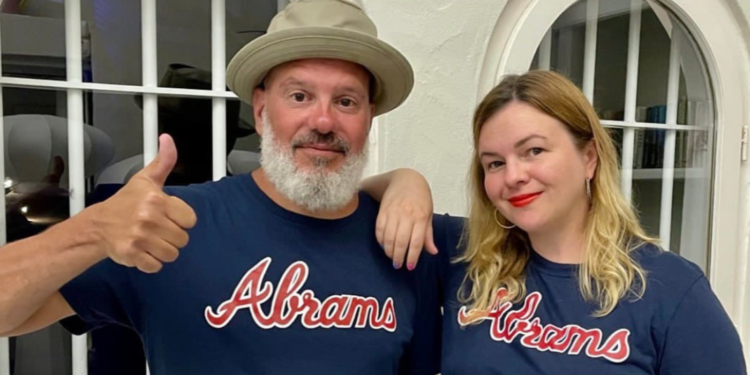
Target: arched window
669	86
647	79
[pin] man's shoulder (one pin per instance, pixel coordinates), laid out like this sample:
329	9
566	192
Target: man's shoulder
210	191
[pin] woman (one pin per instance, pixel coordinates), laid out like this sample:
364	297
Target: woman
554	274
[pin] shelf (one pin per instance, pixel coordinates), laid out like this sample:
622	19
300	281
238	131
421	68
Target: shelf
679	173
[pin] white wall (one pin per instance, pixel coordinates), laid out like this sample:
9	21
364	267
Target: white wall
445	41
743	16
744	10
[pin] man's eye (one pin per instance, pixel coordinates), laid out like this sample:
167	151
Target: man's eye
298	97
347	102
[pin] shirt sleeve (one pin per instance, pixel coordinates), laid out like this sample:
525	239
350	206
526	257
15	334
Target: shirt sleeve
423	356
102	295
91	285
701	338
107	292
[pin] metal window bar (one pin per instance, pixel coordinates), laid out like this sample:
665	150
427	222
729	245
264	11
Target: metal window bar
589	57
76	177
150	110
218	78
631	92
4	341
648	125
105	88
150	100
665	221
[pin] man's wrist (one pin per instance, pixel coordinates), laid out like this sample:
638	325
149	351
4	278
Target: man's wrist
81	232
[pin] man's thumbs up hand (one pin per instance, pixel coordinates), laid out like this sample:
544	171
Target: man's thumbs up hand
141	226
159	169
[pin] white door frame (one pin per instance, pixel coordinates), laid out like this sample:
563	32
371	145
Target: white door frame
511	48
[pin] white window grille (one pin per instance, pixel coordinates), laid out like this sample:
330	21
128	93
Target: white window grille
682	162
76	88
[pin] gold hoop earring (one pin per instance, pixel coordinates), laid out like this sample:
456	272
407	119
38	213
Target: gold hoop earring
588	189
498	222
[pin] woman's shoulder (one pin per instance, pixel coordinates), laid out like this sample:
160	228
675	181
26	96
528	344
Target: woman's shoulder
666	272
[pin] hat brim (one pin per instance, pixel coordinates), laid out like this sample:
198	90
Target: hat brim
392	72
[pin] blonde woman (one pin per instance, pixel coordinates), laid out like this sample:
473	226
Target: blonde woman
554	274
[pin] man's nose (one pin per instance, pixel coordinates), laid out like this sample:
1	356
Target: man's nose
322	119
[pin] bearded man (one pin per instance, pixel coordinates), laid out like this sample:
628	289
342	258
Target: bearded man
279	271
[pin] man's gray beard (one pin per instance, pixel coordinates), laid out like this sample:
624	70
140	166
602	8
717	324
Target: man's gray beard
317	189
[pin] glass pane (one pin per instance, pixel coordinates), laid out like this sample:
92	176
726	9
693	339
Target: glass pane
245	157
33	40
693	151
246	20
33	36
126	135
36	144
184	30
183	36
189	121
36	197
37	186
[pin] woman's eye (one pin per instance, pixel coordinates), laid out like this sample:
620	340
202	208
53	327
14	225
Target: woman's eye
535	151
495	164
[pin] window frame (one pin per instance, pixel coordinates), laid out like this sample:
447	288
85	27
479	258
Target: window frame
75	88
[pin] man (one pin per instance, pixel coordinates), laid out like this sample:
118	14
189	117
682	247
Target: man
281	273
115	349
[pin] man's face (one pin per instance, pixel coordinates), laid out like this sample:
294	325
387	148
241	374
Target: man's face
314	116
320	108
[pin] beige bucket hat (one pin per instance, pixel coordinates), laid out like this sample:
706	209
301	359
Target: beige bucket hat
334	29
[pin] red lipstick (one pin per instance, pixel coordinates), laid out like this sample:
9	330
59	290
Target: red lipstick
523	199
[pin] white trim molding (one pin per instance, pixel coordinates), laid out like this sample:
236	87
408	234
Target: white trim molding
728	69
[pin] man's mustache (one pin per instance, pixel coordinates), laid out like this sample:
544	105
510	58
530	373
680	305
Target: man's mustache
316	138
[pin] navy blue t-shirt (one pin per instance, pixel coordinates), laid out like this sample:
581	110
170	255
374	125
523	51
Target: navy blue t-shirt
677	328
262	290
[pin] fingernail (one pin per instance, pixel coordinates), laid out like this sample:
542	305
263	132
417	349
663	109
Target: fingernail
396	265
410	267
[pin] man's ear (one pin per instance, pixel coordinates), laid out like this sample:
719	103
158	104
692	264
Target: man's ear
259	104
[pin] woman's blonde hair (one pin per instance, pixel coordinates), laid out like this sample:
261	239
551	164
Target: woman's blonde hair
497	257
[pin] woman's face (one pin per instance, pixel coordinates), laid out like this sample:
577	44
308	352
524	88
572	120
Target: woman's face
535	174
